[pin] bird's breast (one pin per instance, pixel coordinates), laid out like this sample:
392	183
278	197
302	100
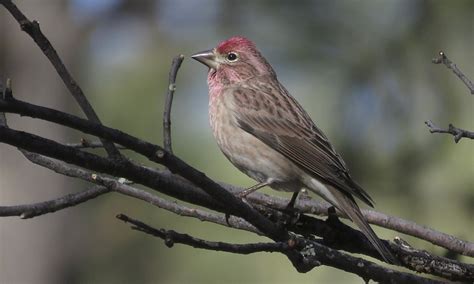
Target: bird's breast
245	151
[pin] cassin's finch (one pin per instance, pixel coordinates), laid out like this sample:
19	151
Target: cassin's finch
267	135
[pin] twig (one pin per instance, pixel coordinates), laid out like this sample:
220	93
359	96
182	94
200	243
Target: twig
26	211
314	254
458	133
172	237
442	58
177	60
32	28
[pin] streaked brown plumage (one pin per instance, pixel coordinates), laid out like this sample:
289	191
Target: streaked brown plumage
266	133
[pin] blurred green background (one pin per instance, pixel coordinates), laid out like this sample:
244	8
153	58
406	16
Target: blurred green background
362	69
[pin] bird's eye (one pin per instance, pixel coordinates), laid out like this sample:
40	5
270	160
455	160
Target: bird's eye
232	56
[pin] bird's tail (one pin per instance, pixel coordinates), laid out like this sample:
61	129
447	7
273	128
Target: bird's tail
349	207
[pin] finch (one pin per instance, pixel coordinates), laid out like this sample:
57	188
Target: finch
268	135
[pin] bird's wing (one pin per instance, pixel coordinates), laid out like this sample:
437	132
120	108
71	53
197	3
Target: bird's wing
281	123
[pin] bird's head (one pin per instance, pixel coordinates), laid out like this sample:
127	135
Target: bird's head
234	60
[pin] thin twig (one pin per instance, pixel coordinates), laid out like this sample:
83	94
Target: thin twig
313	253
458	133
177	60
172	237
26	211
32	28
442	58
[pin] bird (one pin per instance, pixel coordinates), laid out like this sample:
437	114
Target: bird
265	133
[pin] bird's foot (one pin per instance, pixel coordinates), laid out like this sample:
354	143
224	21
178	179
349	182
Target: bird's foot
251	189
332	216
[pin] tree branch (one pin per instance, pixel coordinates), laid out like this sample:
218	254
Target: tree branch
126	169
172	237
177	60
154	153
458	133
119	187
141	147
321	208
91	177
32	28
442	58
373	217
313	253
334	233
26	211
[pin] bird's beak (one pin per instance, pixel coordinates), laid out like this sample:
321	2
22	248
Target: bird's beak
207	58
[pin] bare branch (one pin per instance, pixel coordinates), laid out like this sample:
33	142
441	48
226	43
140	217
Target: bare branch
26	211
377	218
313	253
32	28
119	187
347	238
442	58
202	215
340	236
67	119
172	237
154	153
124	168
114	185
458	133
177	60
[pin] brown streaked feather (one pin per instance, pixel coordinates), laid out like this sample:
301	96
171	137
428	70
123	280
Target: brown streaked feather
350	208
294	135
